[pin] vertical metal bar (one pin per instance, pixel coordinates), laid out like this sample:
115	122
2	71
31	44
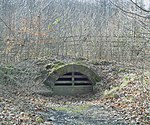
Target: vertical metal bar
73	78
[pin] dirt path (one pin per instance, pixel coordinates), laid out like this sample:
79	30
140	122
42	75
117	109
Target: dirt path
94	115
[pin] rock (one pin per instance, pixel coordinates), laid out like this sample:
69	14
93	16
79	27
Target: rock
52	118
47	123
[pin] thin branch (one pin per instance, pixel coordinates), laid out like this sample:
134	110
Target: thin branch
146	17
7	26
140	6
143	24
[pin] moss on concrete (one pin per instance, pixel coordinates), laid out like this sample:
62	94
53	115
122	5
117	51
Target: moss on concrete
75	109
59	69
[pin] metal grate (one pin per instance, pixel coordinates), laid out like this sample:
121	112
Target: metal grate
73	79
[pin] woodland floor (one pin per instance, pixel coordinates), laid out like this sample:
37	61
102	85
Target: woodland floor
126	101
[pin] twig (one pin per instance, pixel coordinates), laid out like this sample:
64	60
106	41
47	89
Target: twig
146	17
140	6
7	26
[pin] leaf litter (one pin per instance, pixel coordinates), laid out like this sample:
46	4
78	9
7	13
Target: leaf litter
126	96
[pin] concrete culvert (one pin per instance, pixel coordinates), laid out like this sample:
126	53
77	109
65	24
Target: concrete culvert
72	79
